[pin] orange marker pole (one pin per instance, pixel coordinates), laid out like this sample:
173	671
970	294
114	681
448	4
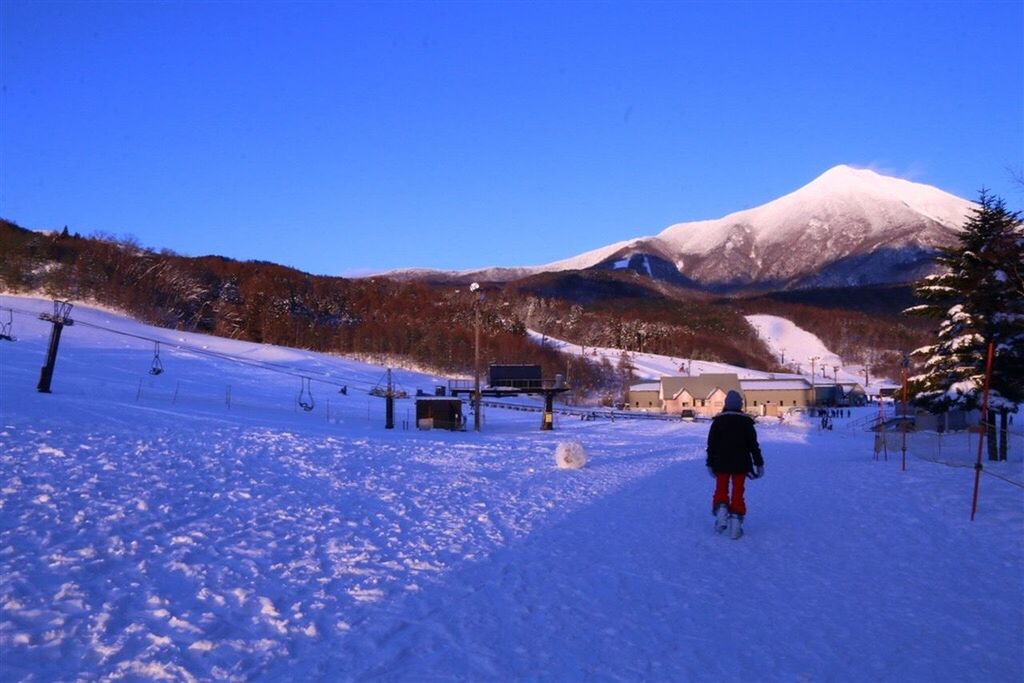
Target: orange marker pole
982	431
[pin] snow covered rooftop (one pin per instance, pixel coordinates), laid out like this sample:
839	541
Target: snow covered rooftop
774	384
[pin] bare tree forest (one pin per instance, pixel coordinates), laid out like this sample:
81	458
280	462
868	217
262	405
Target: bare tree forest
375	318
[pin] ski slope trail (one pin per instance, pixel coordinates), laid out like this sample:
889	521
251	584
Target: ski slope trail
147	537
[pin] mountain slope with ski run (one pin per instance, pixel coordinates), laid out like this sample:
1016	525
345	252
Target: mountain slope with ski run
790	344
847	227
199	525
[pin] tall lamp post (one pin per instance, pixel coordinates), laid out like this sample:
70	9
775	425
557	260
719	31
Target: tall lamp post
814	391
838	389
476	356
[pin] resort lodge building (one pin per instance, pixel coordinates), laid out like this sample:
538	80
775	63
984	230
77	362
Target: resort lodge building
704	395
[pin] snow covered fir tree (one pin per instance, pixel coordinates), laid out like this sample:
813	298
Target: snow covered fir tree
979	299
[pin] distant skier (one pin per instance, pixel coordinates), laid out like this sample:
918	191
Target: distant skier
733	455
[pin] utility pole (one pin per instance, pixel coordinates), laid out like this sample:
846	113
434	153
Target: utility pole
903	423
389	404
61	311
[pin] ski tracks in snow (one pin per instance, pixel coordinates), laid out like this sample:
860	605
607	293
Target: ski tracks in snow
845	572
229	551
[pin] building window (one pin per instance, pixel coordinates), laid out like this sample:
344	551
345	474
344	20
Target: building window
755	401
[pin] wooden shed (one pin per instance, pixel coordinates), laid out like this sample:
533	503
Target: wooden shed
439	413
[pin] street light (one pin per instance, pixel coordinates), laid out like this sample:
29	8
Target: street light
476	357
838	392
814	391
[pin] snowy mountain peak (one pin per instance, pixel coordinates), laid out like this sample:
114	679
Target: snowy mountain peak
844	173
844	181
849	226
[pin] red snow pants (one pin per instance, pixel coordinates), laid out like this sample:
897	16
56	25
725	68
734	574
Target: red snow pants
737	505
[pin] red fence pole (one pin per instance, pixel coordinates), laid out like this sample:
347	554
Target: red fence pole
982	428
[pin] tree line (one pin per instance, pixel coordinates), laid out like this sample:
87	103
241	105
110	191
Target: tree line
375	318
388	321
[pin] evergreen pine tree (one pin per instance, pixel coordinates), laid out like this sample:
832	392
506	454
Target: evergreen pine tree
979	298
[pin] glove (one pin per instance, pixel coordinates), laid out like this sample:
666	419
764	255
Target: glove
757	473
711	473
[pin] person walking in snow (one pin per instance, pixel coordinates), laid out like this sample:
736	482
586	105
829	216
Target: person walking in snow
733	456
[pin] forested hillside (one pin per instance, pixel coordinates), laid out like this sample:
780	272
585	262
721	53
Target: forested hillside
426	324
263	302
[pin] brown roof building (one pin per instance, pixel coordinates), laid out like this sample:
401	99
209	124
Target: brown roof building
704	395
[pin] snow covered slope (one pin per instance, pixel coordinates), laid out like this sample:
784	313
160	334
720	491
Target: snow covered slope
157	534
791	345
847	227
647	366
794	346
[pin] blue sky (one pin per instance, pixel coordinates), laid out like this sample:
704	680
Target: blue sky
346	138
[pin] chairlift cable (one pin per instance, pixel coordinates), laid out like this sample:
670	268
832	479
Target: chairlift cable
341	381
201	351
264	365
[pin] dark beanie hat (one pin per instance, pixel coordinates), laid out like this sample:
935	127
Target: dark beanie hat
733	401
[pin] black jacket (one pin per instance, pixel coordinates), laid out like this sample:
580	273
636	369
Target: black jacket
732	444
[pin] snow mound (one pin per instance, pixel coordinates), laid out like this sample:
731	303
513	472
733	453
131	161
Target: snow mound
570	455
